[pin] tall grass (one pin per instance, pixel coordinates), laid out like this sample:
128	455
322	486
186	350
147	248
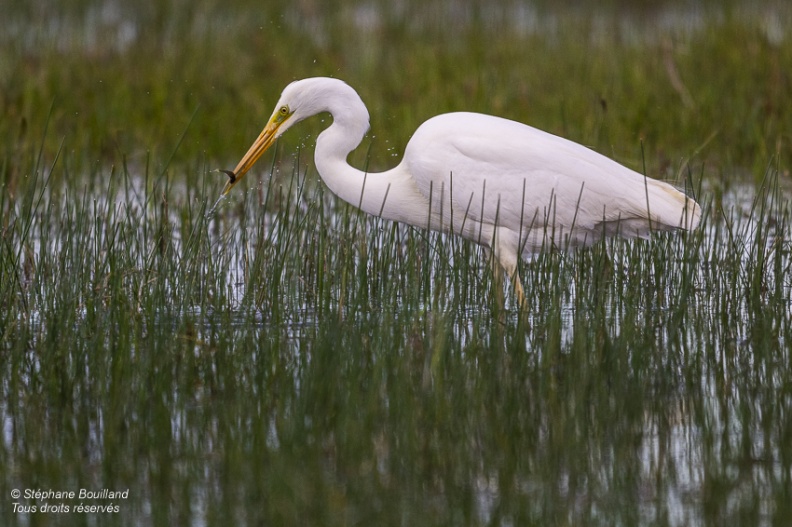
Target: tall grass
295	351
289	360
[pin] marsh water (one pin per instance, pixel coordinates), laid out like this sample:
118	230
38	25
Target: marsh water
637	389
287	360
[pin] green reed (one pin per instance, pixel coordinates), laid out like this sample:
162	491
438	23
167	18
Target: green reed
327	359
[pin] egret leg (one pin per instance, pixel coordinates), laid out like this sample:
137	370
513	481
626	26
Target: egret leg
506	256
519	291
501	265
517	286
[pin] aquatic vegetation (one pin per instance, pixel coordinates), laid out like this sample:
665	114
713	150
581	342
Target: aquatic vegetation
290	360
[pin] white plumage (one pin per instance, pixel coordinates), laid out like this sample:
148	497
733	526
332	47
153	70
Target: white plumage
505	185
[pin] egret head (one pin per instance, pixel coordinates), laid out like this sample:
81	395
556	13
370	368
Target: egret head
299	100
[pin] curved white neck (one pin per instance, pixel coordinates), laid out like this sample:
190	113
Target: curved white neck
332	149
391	195
366	191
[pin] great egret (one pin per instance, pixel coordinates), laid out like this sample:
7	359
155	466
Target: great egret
512	188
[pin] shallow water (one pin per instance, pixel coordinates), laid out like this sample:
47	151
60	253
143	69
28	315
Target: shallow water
646	384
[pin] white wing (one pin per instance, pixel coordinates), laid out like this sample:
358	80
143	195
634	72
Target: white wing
490	171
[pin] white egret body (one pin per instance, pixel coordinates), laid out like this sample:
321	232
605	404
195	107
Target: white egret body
512	188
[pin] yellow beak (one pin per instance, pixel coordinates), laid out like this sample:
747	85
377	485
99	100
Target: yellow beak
259	146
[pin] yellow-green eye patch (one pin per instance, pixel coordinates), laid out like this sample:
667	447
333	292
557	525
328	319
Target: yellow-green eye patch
283	113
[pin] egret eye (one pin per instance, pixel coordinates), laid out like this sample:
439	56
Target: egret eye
283	113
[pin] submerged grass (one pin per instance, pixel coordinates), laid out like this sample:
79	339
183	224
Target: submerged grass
289	360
